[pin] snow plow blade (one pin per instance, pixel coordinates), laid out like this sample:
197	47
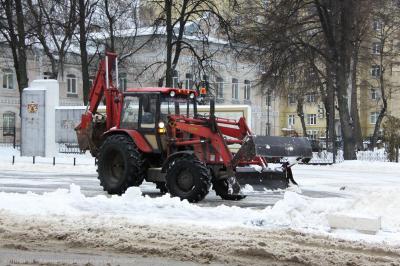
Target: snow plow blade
274	149
270	179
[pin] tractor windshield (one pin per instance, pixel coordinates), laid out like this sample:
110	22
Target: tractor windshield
177	106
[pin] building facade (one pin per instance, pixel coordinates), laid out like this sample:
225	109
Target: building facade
229	79
38	68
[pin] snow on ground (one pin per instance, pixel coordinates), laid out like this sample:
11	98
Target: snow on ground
363	189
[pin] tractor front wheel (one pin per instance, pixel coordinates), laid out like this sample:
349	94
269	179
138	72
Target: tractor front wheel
188	178
120	164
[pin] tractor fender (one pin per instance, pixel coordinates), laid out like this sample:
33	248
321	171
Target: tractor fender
173	157
139	140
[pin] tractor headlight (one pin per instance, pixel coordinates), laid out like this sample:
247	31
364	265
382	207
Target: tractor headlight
191	96
172	94
161	128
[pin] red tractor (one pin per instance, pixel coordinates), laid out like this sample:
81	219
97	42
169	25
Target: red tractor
156	134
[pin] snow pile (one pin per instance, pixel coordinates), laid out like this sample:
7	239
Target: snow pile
382	202
84	163
294	211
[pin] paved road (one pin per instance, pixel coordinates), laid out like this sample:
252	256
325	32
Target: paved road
38	182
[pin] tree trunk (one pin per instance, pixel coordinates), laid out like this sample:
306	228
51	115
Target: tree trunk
345	118
17	44
383	110
330	107
84	55
343	63
169	28
354	102
300	113
111	46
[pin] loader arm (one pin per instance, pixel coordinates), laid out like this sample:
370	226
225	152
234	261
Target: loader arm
89	131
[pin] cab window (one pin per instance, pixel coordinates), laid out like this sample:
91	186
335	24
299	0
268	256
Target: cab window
130	113
149	111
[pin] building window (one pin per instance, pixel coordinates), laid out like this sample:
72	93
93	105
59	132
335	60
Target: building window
8	79
376	48
220	88
247	88
312	134
71	84
373	117
235	89
374	94
311	97
47	75
292	78
377	25
175	79
376	71
188	81
311	74
8	124
311	119
291	98
123	81
291	121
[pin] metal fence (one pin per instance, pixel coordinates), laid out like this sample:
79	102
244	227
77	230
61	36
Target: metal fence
376	156
72	148
9	137
325	157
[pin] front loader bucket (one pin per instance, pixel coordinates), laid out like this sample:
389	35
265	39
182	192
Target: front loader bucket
270	179
274	149
82	135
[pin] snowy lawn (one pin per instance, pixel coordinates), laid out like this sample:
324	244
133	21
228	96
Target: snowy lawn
363	188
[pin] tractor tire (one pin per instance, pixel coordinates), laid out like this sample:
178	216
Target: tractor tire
120	164
221	189
188	178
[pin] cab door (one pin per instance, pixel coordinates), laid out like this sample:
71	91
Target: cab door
149	116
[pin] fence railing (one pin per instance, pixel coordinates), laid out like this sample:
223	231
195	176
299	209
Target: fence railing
325	157
72	148
9	136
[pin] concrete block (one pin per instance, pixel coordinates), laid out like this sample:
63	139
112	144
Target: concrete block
369	225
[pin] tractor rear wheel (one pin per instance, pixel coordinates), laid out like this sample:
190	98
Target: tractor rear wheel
221	188
120	164
188	178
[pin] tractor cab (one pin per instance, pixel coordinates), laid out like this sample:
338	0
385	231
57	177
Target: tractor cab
148	111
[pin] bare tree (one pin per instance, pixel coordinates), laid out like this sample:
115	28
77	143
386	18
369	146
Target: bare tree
54	23
330	31
13	29
284	41
85	13
205	20
118	24
386	27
